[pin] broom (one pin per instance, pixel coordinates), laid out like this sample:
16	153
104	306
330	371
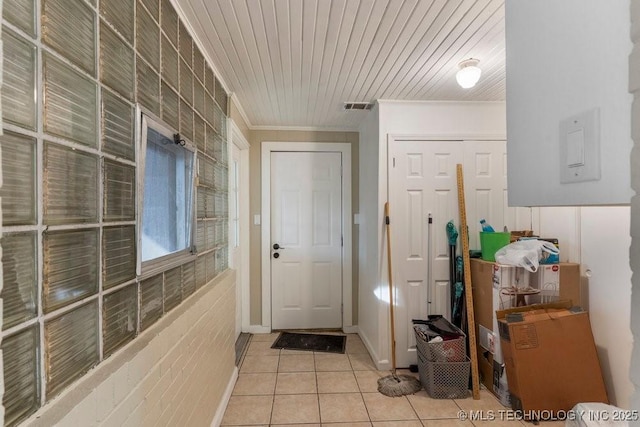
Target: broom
395	385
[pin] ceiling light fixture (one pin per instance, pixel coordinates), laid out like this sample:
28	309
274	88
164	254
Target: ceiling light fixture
469	73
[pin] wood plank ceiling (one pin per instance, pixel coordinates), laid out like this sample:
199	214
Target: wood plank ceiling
293	63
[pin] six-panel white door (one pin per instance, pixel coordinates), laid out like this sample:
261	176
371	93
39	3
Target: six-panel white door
422	180
306	223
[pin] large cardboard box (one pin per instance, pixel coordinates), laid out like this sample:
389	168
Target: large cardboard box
487	278
550	358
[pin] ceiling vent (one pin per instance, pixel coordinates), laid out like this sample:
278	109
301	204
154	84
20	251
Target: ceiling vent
358	106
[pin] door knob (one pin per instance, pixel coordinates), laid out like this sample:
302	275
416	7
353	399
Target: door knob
277	246
276	255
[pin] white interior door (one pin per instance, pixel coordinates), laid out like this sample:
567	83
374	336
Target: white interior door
485	173
306	224
422	181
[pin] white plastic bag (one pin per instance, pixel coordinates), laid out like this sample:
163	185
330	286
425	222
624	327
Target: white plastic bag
525	253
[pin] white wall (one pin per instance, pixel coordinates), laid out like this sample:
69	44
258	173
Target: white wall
369	304
605	258
563	58
179	372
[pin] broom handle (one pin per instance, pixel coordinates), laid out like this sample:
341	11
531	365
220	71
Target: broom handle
393	327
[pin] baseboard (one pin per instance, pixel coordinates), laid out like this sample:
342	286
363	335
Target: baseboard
217	418
257	329
381	365
351	329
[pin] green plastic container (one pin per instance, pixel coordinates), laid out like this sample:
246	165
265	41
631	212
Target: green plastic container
491	242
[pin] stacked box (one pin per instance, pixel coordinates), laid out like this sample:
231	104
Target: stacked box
443	366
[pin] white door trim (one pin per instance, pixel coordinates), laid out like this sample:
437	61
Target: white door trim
347	286
236	137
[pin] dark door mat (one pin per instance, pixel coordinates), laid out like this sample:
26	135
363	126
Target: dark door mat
311	342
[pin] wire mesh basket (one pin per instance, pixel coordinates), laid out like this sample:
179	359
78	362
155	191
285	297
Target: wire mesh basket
449	350
445	380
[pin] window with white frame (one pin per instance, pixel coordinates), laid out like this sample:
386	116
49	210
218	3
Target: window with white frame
167	172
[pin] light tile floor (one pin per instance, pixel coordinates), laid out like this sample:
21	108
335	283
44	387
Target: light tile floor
284	387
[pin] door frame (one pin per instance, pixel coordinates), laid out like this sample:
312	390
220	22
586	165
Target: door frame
347	266
235	137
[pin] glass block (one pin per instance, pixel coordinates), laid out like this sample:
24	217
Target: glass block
186	44
21	375
70	185
117	126
198	96
69	26
172	288
148	87
18	191
169	20
71	346
19	74
186	121
209	79
170	63
188	279
205	172
70	109
198	63
22	14
199	132
209	109
219	232
148	37
210	262
70	267
220	150
20	276
186	82
201	236
119	192
117	68
221	96
220	177
170	102
220	122
221	206
201	205
153	7
211	234
119	318
120	14
150	301
118	255
222	259
210	144
201	272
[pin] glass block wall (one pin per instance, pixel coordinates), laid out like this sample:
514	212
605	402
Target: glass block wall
74	71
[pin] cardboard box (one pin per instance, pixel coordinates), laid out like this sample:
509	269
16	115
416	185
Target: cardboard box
550	357
487	279
559	282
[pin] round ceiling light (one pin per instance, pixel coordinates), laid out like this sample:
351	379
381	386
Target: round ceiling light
469	73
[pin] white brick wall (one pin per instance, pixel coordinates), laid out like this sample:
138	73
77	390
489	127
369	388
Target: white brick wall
634	252
175	374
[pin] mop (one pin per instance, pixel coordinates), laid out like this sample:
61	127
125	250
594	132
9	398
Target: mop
395	385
